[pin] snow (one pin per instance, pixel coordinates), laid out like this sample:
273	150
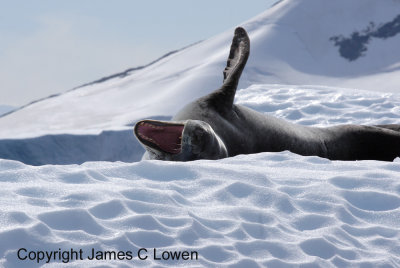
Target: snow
276	210
259	210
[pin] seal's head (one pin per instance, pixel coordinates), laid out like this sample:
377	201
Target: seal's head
179	141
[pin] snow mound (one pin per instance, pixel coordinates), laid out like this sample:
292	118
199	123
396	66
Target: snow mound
306	105
261	210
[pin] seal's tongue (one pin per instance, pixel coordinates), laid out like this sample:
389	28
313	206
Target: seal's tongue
165	136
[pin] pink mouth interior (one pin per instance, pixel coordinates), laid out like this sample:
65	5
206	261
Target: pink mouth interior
167	137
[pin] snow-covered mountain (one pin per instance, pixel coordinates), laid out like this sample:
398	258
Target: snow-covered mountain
351	44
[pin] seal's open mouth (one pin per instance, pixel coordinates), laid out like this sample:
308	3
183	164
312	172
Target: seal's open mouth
163	136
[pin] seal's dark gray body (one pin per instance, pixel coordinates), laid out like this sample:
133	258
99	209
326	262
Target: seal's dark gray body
214	127
245	131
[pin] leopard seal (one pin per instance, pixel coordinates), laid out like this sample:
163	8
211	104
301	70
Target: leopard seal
213	127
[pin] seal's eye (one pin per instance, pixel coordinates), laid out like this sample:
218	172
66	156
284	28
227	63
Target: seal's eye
162	136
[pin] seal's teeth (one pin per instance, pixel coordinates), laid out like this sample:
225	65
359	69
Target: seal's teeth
153	126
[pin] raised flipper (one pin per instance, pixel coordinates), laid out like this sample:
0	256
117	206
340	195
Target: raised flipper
238	55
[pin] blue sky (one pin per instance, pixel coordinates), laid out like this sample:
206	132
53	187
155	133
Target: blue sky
51	46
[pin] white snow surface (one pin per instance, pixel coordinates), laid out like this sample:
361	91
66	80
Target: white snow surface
260	210
290	44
